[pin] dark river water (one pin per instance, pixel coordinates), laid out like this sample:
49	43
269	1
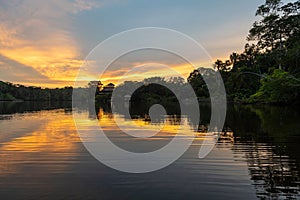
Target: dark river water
42	157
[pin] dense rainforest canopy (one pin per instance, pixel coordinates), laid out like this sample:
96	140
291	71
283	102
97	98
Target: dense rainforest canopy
269	68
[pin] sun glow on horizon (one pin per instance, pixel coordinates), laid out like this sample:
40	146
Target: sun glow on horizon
142	71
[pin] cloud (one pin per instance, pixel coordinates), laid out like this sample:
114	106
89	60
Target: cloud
17	72
81	5
137	65
38	34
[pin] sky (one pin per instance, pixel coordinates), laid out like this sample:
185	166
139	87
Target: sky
44	43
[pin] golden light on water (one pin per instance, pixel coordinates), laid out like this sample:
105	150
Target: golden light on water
40	137
53	133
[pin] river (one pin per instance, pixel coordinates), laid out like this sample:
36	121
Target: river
42	157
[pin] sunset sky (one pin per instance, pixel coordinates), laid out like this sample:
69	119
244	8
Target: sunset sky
43	43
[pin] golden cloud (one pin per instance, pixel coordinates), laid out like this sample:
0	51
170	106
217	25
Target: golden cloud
37	34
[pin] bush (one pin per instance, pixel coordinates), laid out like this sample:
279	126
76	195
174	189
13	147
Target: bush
279	87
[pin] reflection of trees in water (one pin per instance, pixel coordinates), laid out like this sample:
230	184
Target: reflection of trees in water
269	148
30	106
273	175
103	109
173	110
139	112
267	136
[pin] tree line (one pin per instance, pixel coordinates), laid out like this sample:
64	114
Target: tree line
14	92
268	69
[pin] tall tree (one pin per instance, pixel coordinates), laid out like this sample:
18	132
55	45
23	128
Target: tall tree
277	28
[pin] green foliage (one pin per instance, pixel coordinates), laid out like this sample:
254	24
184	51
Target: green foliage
7	97
240	83
152	90
197	82
278	31
279	87
277	46
11	92
103	98
153	93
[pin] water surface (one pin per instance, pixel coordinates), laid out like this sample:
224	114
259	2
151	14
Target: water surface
42	157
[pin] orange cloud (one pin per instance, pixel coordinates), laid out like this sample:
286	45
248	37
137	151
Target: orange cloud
138	65
37	34
147	70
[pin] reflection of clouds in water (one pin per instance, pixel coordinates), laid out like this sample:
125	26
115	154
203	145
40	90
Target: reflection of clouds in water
139	123
43	137
251	160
